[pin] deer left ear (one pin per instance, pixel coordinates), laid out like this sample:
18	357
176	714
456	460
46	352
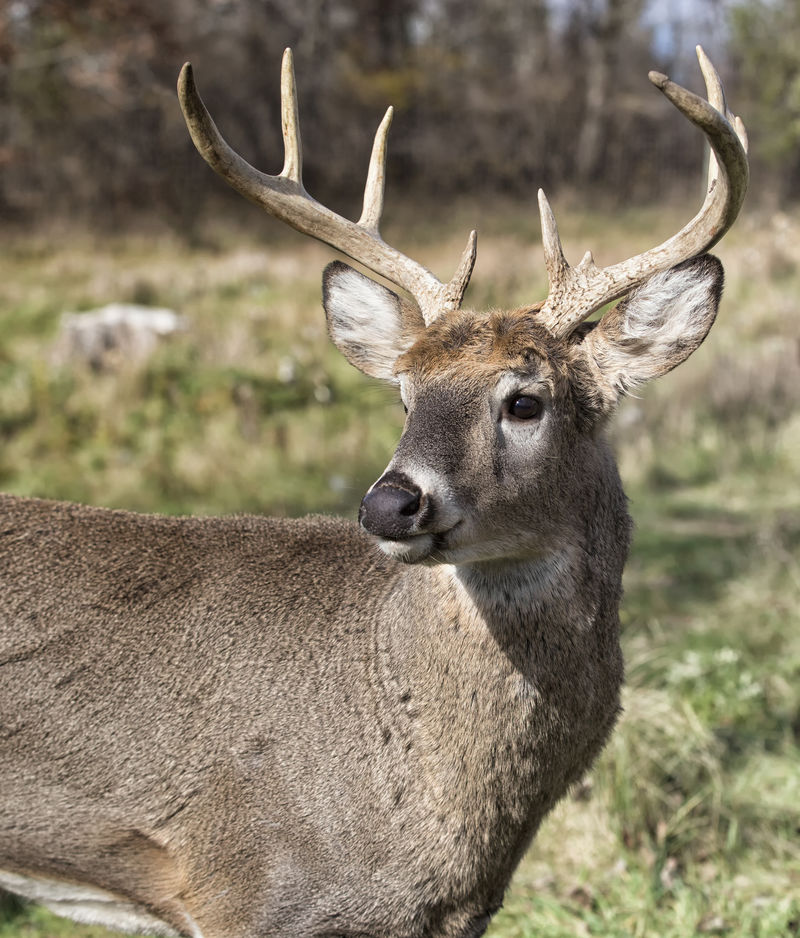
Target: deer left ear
659	325
370	325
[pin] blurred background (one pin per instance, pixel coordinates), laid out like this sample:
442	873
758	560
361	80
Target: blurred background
210	385
491	98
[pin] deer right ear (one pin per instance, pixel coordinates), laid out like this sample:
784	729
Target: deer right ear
370	325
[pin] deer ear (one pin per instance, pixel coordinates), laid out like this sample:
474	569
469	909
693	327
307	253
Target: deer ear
370	325
659	325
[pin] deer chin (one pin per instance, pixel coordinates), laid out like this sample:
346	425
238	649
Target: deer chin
415	549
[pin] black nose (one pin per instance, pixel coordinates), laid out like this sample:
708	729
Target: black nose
391	507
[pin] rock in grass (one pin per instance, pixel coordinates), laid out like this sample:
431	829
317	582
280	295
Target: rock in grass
114	335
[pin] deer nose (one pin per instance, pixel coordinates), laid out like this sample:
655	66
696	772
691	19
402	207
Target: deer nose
391	507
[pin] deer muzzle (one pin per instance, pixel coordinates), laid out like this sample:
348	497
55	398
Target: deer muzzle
395	508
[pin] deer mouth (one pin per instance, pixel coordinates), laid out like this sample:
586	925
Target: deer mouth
426	547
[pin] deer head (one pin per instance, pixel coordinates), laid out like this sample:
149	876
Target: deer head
503	407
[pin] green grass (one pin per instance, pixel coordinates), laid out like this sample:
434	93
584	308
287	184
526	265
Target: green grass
690	821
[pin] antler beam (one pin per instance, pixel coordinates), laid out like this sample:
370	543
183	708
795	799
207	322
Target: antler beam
576	292
285	197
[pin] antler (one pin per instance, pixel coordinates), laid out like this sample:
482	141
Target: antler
576	292
285	197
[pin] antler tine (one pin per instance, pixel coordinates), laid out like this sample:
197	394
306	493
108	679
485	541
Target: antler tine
376	177
285	197
554	261
576	292
292	146
455	290
716	97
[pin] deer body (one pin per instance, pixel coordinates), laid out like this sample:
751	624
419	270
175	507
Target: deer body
221	722
253	728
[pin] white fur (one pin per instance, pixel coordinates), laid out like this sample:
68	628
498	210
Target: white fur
670	306
520	584
363	313
409	550
90	905
666	317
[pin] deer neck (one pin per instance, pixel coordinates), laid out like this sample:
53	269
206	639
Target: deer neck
515	637
505	684
511	594
480	620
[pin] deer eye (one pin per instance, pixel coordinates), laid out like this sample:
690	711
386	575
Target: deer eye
524	407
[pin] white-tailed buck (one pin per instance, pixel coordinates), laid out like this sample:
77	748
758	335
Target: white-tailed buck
253	728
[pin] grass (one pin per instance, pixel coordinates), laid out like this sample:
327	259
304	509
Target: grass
690	822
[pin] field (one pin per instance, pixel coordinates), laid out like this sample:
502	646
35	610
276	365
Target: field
690	822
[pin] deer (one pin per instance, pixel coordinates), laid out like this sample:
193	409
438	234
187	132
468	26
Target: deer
247	727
